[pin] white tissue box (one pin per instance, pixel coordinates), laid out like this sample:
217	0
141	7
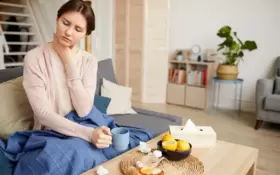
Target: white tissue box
204	137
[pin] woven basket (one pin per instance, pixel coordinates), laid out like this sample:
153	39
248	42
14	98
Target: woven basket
188	166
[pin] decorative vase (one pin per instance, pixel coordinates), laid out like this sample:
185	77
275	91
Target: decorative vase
180	57
227	72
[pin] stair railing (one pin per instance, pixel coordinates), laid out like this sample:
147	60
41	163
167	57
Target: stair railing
39	34
3	45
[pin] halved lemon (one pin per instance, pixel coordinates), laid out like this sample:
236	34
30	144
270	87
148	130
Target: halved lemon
147	170
170	145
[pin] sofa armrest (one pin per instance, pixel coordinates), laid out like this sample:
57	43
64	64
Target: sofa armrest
178	120
264	87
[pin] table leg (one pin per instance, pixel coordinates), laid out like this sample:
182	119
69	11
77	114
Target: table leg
252	170
217	105
213	89
235	94
240	97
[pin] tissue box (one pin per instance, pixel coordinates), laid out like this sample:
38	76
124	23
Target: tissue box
205	137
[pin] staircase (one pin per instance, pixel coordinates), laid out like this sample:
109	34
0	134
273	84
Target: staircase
18	32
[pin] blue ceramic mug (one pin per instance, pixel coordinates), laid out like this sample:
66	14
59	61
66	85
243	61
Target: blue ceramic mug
120	139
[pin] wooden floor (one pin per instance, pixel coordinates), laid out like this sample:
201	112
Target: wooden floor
237	129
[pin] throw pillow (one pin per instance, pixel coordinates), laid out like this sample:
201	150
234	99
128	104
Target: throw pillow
120	98
277	85
101	103
16	113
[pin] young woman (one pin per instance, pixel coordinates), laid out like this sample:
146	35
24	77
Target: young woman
60	78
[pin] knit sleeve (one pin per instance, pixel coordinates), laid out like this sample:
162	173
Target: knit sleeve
34	85
82	88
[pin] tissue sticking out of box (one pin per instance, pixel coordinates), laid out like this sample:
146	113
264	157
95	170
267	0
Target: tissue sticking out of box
189	127
144	147
102	171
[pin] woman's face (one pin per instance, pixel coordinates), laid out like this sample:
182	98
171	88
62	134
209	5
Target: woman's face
70	28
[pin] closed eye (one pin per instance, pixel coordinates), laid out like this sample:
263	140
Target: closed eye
66	23
79	29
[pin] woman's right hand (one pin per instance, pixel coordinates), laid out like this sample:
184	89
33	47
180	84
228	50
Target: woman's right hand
101	137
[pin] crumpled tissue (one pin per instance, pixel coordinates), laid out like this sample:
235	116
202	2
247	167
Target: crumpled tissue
102	171
157	153
144	147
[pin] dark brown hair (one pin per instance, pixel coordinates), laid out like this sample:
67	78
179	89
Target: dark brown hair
84	7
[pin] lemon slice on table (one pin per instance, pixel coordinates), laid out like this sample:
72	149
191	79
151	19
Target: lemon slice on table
170	145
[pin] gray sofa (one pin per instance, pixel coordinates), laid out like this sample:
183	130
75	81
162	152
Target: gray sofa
155	121
268	99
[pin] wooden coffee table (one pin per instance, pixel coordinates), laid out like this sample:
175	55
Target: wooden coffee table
225	158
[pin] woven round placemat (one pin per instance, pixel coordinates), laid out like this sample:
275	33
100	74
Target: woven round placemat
189	166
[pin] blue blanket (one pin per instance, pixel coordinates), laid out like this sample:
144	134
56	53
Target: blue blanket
48	152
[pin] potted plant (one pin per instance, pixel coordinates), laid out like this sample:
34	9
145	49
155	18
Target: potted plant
233	51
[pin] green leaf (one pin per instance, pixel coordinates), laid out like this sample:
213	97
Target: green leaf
224	31
222	44
235	47
240	42
228	42
249	45
220	48
234	55
241	54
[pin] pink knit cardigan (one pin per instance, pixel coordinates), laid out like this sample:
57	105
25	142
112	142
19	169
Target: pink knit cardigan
41	84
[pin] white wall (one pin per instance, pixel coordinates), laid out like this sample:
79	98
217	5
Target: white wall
102	37
46	11
197	22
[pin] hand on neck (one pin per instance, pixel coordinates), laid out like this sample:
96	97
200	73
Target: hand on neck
73	49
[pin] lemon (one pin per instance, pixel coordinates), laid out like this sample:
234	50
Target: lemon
182	145
150	171
167	137
147	170
170	145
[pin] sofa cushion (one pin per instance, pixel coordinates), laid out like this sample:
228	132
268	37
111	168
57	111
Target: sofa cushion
105	70
156	124
272	102
11	73
277	85
120	98
101	103
16	113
